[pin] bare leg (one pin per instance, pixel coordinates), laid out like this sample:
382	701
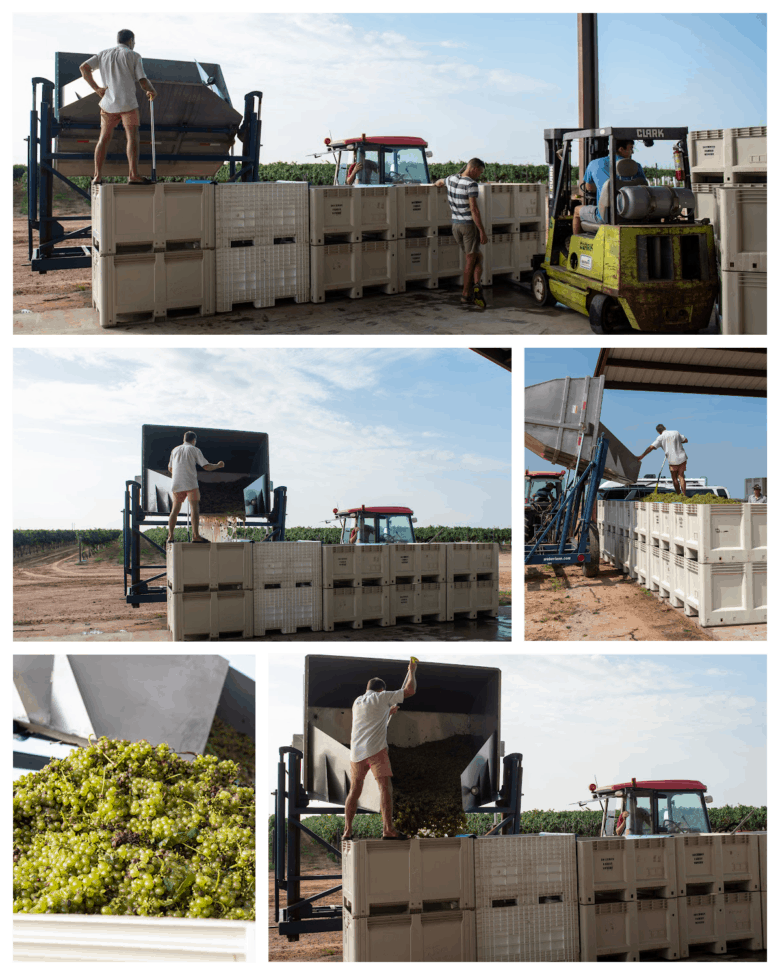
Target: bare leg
350	806
133	142
468	274
676	483
576	224
172	520
386	804
477	267
683	485
195	512
100	151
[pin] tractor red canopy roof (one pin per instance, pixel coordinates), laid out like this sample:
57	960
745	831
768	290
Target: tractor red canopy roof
380	140
673	785
378	511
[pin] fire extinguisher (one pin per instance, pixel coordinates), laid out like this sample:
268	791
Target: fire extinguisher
679	168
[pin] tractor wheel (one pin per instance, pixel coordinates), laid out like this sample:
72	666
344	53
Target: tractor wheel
606	316
593	567
540	289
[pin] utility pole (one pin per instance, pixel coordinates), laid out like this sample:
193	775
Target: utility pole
588	78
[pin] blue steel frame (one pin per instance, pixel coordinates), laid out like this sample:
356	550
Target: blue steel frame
138	590
564	552
40	170
300	916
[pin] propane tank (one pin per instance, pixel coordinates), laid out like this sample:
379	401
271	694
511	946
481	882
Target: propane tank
653	202
679	167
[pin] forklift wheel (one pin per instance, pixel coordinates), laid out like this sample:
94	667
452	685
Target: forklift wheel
605	315
540	289
593	568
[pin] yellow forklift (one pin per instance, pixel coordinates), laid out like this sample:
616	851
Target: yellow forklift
649	264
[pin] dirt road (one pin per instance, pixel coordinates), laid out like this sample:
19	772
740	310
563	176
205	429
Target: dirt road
55	596
311	947
568	606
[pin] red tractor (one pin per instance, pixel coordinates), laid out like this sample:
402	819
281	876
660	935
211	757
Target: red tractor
380	160
377	525
654	808
543	490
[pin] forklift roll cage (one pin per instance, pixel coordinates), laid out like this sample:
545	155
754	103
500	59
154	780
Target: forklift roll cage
46	126
300	915
599	143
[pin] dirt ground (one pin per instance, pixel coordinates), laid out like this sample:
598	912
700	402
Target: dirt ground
54	597
311	947
565	605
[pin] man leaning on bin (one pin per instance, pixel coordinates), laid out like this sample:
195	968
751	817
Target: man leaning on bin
120	67
371	713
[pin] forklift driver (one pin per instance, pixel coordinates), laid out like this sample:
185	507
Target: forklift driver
371	713
595	177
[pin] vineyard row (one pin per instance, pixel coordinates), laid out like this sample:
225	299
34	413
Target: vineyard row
332	536
41	538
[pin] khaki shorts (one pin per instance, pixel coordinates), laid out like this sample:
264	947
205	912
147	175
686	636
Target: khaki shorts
182	496
379	765
678	468
110	120
467	237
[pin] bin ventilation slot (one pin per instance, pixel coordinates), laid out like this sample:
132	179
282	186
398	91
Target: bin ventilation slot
242	243
505	902
134	249
551	899
284	240
182	245
376	910
430	907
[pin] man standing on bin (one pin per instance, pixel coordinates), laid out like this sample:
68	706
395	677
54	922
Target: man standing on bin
371	713
185	482
467	229
672	443
120	67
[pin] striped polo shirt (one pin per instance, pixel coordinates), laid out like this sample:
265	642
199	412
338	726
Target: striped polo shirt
459	190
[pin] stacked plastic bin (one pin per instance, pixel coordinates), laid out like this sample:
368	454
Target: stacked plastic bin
262	254
288	586
210	590
418	587
418	255
728	175
526	898
353	232
762	858
355	585
472	579
152	251
408	901
719	880
628	898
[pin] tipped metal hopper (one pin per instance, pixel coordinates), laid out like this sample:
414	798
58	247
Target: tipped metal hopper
161	698
246	473
182	100
556	412
450	700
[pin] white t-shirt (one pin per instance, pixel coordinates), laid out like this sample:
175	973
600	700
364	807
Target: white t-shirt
119	68
671	441
370	714
182	462
761	499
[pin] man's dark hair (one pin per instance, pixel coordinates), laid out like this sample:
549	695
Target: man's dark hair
624	143
189	437
376	684
660	428
124	36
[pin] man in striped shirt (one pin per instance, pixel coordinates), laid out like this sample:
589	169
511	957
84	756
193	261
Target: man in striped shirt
467	229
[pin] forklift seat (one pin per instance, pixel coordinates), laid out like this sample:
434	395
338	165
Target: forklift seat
625	168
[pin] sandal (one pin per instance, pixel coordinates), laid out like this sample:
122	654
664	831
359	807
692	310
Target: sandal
345	839
201	541
401	836
97	182
143	181
466	300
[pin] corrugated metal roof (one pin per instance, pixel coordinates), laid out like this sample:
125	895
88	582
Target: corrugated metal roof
724	372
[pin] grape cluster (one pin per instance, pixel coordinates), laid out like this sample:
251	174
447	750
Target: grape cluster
227	743
127	828
667	498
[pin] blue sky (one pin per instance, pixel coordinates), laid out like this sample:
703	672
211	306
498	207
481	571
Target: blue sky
424	428
615	717
472	84
243	663
726	434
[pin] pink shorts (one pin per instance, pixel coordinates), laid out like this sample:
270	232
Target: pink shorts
379	765
110	120
678	468
182	496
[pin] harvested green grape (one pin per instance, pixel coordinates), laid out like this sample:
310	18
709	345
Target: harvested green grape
683	499
129	828
227	743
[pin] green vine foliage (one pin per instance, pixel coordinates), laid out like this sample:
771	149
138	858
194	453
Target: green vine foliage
331	536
